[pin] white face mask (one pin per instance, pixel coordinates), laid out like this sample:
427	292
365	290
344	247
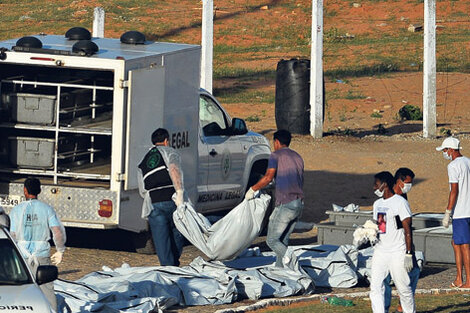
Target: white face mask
379	193
406	187
446	156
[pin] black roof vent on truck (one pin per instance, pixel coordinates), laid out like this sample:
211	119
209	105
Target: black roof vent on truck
133	37
85	47
29	42
78	33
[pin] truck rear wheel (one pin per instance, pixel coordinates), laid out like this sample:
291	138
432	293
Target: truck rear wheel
143	243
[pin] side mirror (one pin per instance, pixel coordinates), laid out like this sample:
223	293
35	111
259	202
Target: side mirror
239	126
46	274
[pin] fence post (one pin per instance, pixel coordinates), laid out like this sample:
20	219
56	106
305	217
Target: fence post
316	70
98	22
207	44
429	69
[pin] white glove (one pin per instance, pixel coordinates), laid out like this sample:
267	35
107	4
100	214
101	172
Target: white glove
179	197
408	262
56	258
250	194
446	219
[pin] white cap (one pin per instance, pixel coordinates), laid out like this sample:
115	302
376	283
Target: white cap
449	142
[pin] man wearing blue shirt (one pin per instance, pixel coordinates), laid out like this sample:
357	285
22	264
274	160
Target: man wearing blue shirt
31	224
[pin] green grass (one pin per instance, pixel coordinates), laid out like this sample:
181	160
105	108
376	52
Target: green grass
242	94
243	73
371	54
449	303
353	95
362	70
253	118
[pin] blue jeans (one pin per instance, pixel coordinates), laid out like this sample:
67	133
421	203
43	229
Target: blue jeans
281	224
167	239
414	276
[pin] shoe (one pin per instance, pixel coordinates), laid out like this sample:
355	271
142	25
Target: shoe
454	286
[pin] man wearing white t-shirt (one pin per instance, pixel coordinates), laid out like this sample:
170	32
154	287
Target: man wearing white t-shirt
393	252
458	204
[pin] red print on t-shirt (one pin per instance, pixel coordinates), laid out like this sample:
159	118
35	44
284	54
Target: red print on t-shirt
382	222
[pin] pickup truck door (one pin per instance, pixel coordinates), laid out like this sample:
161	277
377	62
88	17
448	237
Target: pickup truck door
224	160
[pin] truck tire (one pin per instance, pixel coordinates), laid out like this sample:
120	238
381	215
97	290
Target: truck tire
143	243
255	176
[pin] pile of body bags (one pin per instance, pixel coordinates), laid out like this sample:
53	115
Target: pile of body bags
249	273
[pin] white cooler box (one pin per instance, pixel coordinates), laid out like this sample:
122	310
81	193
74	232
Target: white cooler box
31	152
41	108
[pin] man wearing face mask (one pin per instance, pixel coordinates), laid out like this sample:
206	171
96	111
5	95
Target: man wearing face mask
393	252
403	183
458	207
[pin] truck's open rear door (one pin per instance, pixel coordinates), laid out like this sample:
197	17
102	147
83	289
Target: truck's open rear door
144	115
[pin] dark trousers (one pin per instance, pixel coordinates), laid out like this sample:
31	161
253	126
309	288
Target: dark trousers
167	239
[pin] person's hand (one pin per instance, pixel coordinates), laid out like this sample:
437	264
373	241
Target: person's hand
250	194
408	262
179	197
446	219
56	258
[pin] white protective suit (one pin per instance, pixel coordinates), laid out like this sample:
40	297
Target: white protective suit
31	224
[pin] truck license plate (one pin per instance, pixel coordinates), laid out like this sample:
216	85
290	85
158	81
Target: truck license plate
9	201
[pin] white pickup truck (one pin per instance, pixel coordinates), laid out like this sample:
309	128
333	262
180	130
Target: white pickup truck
78	113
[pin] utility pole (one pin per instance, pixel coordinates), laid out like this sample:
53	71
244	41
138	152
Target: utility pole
316	70
207	40
98	22
429	70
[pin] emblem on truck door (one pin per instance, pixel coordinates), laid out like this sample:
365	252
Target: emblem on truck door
226	164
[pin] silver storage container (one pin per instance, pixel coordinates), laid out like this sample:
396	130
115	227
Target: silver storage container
35	108
31	152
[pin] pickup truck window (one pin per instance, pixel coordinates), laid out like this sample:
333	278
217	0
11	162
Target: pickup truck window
212	118
12	268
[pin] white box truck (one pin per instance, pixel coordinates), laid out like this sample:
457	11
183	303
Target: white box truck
78	113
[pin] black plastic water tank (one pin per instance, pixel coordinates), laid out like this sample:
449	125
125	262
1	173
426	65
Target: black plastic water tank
292	106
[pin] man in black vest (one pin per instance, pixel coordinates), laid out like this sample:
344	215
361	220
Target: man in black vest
160	178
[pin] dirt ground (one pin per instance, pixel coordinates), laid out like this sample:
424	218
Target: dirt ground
339	168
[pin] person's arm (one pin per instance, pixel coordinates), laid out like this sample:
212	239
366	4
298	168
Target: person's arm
408	261
58	236
454	193
408	233
265	180
176	176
